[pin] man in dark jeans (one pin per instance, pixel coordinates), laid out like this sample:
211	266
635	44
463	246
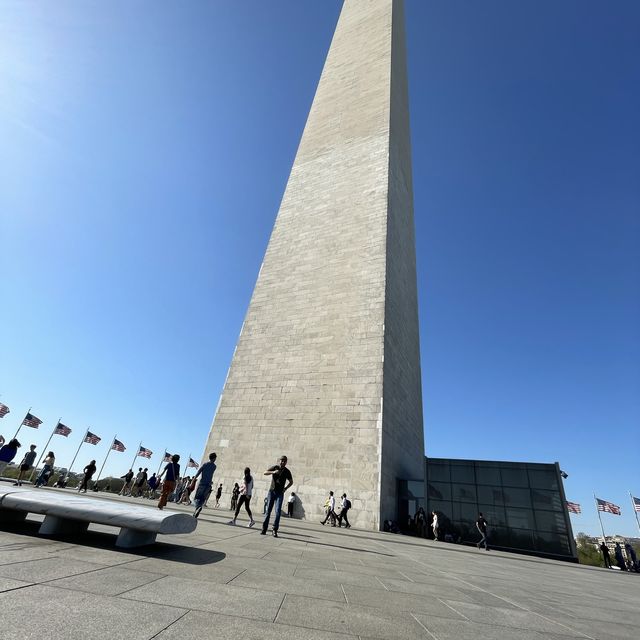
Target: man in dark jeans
281	480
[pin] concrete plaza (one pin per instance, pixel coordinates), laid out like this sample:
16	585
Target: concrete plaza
311	583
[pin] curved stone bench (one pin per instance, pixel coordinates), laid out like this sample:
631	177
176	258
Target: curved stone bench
72	514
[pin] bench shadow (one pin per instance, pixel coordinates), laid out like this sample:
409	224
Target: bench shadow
107	542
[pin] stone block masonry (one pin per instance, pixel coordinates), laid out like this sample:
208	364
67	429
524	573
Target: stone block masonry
327	365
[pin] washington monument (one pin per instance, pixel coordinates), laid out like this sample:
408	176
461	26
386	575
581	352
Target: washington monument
327	365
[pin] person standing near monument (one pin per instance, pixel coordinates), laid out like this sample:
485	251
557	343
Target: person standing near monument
281	480
171	473
218	496
88	471
481	525
290	504
205	472
245	497
26	464
8	453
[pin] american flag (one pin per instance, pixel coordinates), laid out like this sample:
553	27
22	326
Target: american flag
167	457
61	430
31	421
118	446
609	507
192	463
3	410
145	453
636	503
92	438
573	507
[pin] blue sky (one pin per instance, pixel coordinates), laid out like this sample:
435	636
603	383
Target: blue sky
144	151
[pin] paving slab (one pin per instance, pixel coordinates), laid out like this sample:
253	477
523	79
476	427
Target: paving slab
111	581
46	569
195	594
58	614
343	618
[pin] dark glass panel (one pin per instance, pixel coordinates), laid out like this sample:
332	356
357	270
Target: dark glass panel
549	500
438	491
514	477
415	489
516	497
465	512
552	543
494	515
520	518
552	521
463	473
491	495
488	475
521	538
543	479
438	471
464	492
498	537
443	507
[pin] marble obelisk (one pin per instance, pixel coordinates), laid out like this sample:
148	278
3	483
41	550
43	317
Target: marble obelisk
327	365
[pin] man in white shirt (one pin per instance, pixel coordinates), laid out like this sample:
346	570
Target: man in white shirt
290	502
331	511
434	525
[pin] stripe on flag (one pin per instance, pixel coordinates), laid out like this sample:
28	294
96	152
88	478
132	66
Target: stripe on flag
192	463
4	410
636	503
145	453
61	430
31	421
92	438
118	446
609	507
167	457
573	507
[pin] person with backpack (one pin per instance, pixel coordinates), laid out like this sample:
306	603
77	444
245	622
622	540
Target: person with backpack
171	473
345	506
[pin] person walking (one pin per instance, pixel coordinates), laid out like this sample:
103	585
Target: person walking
171	472
205	473
331	510
47	470
88	471
345	505
26	464
126	487
434	525
218	496
141	480
281	480
246	490
631	556
481	526
291	504
152	483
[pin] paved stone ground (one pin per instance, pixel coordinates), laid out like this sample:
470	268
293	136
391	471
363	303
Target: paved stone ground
312	583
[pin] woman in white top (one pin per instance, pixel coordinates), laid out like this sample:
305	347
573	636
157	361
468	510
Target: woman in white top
246	489
47	469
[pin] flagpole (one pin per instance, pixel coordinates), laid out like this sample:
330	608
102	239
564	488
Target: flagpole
633	504
161	461
105	460
43	450
604	537
23	419
136	456
186	465
77	452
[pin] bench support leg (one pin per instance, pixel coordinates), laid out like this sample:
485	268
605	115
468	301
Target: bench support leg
134	538
12	515
53	525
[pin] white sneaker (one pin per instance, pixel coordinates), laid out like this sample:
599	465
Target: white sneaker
251	523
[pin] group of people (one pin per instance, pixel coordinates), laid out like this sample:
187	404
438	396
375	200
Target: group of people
630	563
8	452
330	511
